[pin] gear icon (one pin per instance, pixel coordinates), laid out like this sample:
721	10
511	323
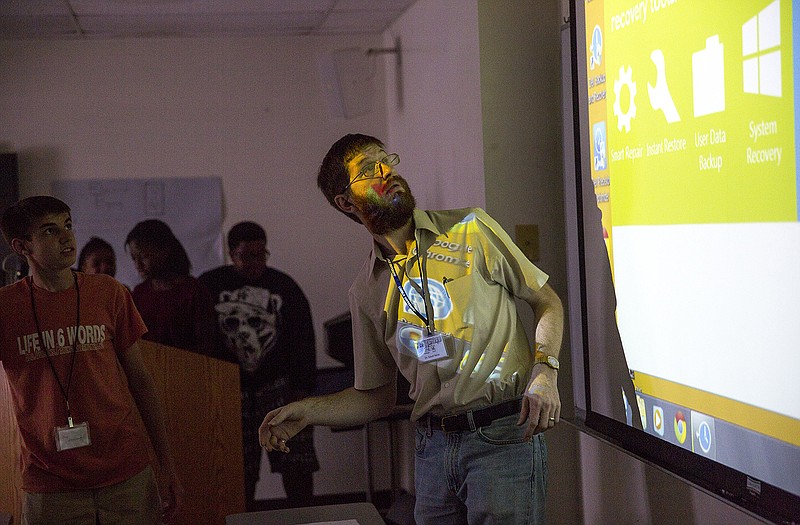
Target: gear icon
625	79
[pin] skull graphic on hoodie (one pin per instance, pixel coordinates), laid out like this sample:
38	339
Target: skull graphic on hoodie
249	317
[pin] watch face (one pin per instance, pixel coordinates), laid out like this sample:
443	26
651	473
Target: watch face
549	360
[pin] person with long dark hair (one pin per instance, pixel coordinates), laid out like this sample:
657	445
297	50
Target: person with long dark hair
176	308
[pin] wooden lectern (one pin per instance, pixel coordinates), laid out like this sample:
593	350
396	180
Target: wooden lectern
10	468
202	407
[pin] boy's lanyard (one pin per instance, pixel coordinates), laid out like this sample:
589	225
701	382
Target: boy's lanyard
424	292
64	391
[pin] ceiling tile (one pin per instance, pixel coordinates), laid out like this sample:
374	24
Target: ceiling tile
189	7
126	18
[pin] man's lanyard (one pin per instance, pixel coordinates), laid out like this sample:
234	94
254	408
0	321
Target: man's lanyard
64	391
423	291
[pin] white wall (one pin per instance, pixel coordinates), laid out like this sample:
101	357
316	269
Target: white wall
435	119
520	81
253	111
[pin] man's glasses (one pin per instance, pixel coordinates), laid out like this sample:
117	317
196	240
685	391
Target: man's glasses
374	170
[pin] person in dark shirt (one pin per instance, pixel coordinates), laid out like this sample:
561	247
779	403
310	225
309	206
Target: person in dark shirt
266	323
176	308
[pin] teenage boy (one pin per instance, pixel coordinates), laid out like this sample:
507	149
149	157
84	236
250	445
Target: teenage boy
68	343
266	321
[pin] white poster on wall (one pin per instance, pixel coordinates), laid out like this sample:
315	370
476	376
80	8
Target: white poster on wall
109	209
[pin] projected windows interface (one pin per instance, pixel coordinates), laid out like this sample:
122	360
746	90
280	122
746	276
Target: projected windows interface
691	110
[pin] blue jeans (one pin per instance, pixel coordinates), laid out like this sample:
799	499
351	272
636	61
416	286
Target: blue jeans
490	476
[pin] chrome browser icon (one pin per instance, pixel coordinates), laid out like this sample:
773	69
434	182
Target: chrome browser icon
680	427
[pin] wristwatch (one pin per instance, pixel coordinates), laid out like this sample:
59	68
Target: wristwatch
549	360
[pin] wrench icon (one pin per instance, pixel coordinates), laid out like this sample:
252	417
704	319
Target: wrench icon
660	99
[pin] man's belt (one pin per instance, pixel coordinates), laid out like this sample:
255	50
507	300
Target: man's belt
473	419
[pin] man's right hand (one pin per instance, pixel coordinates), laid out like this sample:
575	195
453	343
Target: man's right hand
349	407
280	425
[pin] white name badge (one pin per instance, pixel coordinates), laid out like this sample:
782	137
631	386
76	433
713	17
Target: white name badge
72	437
431	348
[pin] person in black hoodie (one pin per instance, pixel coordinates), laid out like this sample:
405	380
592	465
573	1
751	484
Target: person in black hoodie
266	323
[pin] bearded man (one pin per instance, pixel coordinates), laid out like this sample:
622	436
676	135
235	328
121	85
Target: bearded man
436	299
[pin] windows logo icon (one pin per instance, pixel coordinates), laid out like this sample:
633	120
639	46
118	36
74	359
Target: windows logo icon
761	52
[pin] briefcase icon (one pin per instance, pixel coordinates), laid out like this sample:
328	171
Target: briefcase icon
708	78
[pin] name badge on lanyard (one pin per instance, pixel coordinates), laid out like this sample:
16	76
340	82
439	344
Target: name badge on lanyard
432	348
72	436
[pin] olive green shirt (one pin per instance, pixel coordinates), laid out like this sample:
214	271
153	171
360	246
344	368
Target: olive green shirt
474	273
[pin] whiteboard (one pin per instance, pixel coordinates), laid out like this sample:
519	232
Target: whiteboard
109	209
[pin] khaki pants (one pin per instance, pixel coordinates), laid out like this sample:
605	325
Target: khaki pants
132	502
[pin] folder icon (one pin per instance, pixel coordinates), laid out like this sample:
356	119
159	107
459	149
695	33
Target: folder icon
708	78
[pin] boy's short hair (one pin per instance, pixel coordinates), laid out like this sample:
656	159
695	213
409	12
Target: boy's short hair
245	231
19	219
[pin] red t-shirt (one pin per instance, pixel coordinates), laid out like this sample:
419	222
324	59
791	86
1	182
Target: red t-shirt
98	392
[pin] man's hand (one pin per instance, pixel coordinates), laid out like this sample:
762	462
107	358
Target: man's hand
541	403
280	425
